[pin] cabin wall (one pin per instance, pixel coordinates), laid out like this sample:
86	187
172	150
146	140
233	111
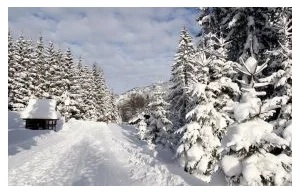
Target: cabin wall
39	124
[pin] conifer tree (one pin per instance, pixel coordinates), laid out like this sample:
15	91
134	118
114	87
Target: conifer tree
159	126
11	67
115	113
20	93
277	107
41	84
66	84
88	108
96	87
75	91
182	71
251	142
57	83
246	29
32	68
55	61
103	98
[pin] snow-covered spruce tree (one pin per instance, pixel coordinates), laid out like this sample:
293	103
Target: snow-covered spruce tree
67	83
180	79
250	145
103	98
52	63
57	83
88	108
277	107
11	67
221	74
206	122
41	83
159	126
240	25
75	91
33	70
114	115
97	95
20	93
56	59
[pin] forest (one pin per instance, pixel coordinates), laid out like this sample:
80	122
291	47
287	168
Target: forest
227	108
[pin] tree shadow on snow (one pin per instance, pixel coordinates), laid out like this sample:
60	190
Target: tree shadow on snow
23	139
20	138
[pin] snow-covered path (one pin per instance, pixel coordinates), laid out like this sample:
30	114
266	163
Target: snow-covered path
92	153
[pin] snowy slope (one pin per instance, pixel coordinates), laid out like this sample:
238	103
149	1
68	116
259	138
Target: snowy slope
145	91
92	153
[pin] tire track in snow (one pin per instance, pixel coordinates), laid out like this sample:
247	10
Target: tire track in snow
79	155
88	153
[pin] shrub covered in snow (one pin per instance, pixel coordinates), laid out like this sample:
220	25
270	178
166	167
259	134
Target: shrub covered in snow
142	129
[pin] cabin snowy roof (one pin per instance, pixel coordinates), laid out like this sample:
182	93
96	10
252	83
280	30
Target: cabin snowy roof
41	109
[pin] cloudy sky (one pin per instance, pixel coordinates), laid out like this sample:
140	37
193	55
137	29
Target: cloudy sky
134	46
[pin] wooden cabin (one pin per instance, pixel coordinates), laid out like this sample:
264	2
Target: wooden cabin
41	114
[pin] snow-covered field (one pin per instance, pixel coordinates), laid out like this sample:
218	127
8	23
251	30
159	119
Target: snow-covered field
90	153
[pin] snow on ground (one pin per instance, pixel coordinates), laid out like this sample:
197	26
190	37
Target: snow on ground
91	153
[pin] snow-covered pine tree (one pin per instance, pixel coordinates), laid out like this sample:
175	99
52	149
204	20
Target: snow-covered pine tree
103	98
11	67
252	143
207	121
159	126
182	71
96	87
221	74
54	60
114	109
52	63
88	108
75	91
200	137
116	114
57	84
277	107
20	93
238	26
33	71
252	155
66	83
41	83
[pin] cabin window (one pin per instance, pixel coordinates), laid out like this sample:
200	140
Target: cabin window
40	124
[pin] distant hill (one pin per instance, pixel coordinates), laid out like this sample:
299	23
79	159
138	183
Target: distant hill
144	91
135	101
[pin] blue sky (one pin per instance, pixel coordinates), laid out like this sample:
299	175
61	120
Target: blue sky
134	46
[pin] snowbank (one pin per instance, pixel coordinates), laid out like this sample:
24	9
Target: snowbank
14	120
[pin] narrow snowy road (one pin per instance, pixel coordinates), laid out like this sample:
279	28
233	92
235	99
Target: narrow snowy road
90	153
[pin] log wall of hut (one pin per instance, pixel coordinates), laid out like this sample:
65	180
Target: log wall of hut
36	124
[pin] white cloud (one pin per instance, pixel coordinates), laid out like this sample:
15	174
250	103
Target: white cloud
135	46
